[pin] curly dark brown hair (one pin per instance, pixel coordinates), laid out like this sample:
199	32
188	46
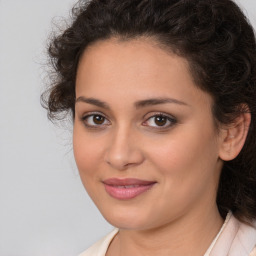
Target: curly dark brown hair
219	44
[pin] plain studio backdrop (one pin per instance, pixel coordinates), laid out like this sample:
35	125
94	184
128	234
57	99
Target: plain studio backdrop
44	209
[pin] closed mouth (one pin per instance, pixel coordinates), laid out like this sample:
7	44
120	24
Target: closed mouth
127	182
125	189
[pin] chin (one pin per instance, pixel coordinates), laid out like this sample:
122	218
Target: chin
126	219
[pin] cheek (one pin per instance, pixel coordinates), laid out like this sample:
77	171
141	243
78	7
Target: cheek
186	167
87	153
186	155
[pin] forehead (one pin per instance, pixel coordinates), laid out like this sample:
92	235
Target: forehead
134	67
142	57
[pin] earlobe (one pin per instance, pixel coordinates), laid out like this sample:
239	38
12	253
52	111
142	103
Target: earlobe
233	137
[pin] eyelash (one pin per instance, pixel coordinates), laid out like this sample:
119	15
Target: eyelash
172	121
99	126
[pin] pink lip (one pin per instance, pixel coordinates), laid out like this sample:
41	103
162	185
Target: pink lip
125	189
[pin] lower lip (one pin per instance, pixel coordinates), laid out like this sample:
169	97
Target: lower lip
123	193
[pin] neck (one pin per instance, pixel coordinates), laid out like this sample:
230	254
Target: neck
188	235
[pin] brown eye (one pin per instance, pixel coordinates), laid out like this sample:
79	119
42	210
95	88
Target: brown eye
160	120
97	119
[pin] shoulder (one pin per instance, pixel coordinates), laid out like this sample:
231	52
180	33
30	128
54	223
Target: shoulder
246	237
100	247
237	239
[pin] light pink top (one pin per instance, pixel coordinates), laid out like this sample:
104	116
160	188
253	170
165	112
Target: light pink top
234	239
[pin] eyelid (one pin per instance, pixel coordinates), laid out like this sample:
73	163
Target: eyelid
90	114
158	113
170	118
147	117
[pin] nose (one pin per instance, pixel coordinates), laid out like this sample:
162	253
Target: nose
124	150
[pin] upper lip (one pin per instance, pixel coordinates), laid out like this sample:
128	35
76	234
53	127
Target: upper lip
127	182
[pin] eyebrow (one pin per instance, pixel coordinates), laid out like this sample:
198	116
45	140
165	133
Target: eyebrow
93	101
157	101
137	104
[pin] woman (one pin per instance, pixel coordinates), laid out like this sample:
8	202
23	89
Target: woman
162	95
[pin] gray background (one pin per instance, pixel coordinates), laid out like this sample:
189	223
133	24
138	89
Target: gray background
44	209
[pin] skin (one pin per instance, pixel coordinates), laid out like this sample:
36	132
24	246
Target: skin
178	215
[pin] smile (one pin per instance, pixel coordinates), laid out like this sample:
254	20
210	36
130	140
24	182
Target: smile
125	189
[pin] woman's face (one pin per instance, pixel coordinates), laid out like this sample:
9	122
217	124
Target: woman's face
144	137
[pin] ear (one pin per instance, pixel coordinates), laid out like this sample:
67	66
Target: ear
232	137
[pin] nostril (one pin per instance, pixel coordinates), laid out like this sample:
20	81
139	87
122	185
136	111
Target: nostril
122	159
